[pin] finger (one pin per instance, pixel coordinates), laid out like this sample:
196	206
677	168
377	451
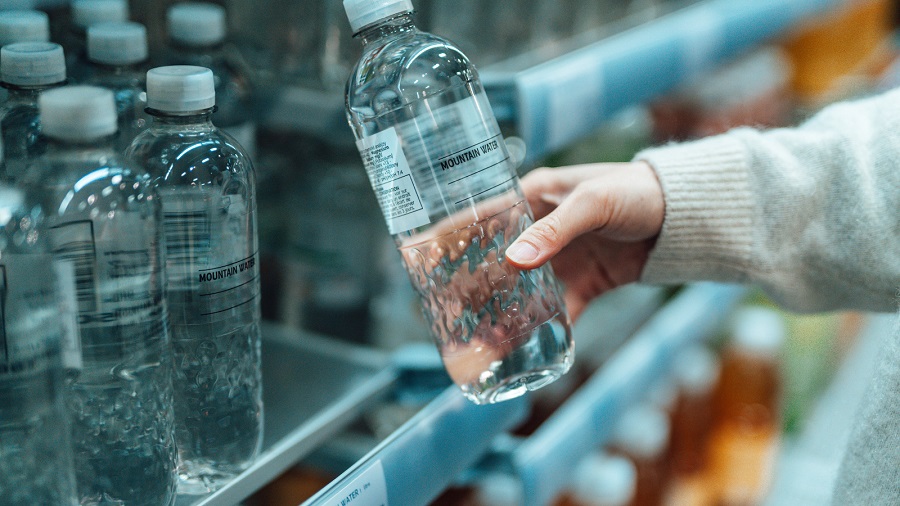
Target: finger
580	212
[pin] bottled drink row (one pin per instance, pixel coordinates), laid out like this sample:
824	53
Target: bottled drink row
130	365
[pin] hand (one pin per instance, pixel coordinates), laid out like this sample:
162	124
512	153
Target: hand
596	222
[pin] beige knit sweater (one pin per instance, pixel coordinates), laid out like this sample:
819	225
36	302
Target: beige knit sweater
812	215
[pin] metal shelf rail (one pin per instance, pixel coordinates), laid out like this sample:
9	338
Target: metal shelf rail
547	101
546	460
418	461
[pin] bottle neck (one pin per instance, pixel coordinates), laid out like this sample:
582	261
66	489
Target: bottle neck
387	28
56	146
28	93
193	120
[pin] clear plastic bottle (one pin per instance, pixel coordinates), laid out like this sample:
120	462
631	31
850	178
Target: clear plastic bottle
451	198
35	451
86	13
105	222
197	36
207	187
24	26
118	52
26	70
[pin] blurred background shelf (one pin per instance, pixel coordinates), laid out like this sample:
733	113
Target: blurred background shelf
316	387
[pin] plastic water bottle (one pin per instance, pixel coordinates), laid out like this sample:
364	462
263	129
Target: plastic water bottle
26	70
24	26
35	452
117	52
451	198
104	221
86	13
197	36
207	187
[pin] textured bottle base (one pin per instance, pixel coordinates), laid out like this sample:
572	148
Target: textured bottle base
490	374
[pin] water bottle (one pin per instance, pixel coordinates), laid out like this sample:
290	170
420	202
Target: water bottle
117	52
104	220
86	13
35	452
26	70
451	199
207	187
24	26
197	33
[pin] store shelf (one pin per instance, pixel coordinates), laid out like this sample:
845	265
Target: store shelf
313	388
559	101
546	460
421	459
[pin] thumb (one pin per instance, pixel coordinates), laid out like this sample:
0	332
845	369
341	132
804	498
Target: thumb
548	236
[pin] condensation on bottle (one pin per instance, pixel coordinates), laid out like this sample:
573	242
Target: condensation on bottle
26	70
207	187
35	451
117	53
103	222
451	198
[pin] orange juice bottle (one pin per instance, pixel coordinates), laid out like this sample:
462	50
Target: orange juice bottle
642	435
601	479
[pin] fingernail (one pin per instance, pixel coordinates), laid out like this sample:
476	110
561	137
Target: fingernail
521	252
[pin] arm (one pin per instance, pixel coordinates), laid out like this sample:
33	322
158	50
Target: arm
812	214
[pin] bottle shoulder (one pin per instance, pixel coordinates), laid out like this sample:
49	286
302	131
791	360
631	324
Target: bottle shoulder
193	158
404	69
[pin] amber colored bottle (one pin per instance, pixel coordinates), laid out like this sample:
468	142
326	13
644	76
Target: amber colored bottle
642	436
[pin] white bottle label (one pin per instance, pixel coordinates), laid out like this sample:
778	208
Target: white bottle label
451	157
367	489
68	308
392	181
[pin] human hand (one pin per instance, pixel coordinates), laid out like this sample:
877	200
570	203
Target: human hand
596	222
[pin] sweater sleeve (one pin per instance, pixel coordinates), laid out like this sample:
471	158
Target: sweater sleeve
811	214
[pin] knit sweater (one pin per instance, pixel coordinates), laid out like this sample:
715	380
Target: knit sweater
812	216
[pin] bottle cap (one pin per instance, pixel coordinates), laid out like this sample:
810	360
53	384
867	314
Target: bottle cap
362	13
77	113
24	26
11	200
758	330
180	88
196	24
642	431
117	43
89	12
32	64
696	370
602	479
498	489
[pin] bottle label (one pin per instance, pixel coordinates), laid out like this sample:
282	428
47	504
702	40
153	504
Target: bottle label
29	314
367	489
68	309
211	263
437	163
392	181
114	279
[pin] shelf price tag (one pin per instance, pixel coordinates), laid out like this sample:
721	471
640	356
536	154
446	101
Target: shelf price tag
367	489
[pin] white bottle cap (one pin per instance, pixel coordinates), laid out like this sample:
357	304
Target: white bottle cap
32	64
362	13
696	370
89	12
604	480
498	489
758	330
24	26
11	200
642	431
117	43
180	88
77	113
196	24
